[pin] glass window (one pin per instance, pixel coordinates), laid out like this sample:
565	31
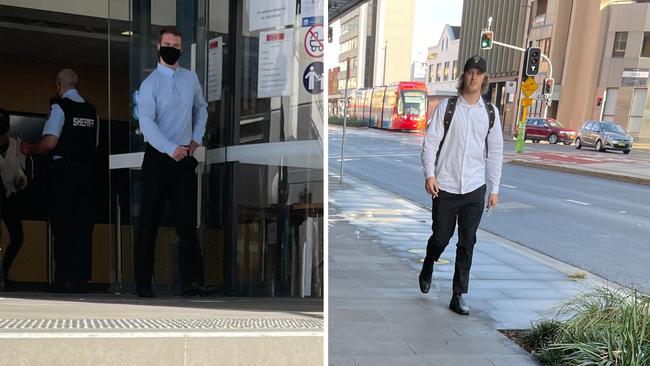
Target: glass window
455	70
446	70
439	72
620	41
414	102
431	73
645	47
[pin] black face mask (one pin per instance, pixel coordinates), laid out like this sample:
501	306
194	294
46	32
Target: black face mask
169	54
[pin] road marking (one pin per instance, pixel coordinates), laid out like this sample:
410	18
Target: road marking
623	212
579	203
508	186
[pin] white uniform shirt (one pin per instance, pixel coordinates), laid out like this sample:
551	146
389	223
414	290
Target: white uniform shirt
462	164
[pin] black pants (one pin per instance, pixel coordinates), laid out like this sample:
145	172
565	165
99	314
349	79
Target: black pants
11	215
448	208
163	177
73	220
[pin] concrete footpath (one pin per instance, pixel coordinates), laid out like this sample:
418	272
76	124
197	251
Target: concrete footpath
94	329
377	315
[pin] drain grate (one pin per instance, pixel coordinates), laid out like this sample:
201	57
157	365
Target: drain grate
168	324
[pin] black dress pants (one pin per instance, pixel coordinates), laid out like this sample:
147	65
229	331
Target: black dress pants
447	209
11	215
73	220
163	177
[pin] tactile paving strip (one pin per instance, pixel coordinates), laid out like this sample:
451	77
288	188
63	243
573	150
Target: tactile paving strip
156	324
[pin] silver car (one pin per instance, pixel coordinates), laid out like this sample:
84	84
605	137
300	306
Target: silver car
604	135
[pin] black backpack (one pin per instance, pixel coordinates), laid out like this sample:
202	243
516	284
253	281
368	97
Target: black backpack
449	114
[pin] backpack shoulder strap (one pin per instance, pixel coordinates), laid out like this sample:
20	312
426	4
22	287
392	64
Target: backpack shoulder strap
491	117
449	115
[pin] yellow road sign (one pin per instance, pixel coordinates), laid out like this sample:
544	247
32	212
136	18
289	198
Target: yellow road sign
526	102
529	86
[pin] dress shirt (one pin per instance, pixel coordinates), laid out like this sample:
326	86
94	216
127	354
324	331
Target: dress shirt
461	167
171	108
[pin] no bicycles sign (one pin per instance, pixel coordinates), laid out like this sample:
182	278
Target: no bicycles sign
314	41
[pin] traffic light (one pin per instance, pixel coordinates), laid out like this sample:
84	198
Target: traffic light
548	86
533	59
486	40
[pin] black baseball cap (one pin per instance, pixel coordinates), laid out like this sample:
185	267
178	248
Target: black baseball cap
477	62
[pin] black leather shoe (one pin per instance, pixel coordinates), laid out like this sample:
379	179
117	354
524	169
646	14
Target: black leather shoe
193	289
144	291
425	283
457	305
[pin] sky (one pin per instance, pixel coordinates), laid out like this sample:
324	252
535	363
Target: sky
430	19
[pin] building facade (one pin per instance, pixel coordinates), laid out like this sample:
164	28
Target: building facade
442	66
503	64
622	87
377	46
260	206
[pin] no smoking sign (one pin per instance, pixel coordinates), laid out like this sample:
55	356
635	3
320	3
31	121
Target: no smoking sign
315	41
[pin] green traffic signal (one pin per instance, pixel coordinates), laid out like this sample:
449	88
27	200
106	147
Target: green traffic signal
486	40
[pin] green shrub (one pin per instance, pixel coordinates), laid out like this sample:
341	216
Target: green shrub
603	327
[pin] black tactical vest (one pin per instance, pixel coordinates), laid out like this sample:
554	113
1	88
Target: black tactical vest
79	134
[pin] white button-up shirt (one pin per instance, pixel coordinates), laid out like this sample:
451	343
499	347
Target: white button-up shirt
462	165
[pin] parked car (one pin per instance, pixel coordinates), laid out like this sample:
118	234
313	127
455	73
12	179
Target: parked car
548	129
604	135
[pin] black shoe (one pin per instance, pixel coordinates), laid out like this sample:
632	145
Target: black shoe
144	291
425	283
458	306
193	289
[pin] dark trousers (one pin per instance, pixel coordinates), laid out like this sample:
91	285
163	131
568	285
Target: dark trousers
11	215
447	209
73	220
163	177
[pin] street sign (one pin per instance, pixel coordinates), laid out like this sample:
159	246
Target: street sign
529	86
526	102
314	41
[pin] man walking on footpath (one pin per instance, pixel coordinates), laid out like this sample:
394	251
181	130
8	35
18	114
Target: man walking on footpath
172	114
463	146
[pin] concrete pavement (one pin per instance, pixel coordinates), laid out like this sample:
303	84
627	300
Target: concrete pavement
378	315
50	329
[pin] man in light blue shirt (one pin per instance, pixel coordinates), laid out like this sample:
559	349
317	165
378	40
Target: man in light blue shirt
172	114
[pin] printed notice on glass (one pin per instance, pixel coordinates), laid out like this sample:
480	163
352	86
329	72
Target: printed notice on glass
311	12
275	59
215	67
271	13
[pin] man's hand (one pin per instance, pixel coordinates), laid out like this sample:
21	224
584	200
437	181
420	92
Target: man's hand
193	146
180	153
493	199
431	186
24	148
21	182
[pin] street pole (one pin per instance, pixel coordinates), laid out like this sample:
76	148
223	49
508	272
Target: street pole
602	105
345	114
547	102
521	65
383	78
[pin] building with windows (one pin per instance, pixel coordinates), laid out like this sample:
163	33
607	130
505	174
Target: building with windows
599	52
377	47
442	66
260	201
